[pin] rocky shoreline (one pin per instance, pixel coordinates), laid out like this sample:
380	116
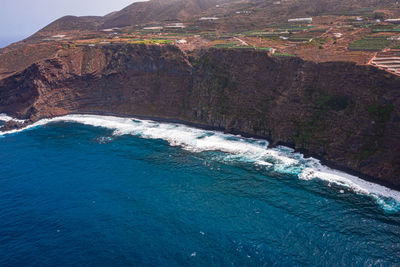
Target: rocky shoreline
344	114
15	125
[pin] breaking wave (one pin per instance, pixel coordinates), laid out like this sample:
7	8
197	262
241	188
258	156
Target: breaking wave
5	117
235	148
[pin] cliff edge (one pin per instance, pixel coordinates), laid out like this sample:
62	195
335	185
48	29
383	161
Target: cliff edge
343	113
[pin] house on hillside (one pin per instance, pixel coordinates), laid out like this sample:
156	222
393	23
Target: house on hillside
209	18
153	28
177	25
306	20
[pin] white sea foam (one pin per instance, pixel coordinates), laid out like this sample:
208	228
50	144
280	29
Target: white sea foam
235	148
5	117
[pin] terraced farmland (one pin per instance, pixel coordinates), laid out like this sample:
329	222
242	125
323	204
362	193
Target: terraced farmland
370	43
386	29
389	61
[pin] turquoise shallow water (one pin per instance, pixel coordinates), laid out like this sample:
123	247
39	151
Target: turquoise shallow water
74	194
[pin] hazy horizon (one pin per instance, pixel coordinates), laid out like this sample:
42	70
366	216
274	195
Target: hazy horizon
22	18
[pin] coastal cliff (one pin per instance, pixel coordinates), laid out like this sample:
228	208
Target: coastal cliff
343	113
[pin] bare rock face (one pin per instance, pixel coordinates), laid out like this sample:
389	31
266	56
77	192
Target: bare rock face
11	125
343	113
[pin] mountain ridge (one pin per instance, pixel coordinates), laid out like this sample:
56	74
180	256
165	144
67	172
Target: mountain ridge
154	11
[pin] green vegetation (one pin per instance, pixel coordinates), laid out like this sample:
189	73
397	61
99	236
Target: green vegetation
242	47
217	82
370	43
300	38
366	25
262	34
226	45
386	28
263	48
236	46
333	102
152	41
322	105
380	113
321	30
283	55
319	41
290	27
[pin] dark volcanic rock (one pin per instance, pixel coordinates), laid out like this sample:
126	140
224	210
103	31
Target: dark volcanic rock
12	125
344	113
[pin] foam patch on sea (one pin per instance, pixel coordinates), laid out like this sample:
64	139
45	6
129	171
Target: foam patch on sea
235	149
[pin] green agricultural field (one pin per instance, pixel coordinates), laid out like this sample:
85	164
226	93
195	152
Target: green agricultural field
283	55
300	38
226	45
321	30
151	41
370	43
386	29
263	48
237	46
260	33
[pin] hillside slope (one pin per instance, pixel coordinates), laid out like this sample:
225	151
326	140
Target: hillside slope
262	11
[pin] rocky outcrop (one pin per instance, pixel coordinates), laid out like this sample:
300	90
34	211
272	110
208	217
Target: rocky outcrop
343	113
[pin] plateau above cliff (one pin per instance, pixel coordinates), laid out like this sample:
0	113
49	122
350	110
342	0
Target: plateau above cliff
344	113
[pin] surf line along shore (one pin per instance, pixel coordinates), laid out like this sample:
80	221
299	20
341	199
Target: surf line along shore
312	167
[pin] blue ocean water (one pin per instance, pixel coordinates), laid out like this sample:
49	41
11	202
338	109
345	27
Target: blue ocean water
72	194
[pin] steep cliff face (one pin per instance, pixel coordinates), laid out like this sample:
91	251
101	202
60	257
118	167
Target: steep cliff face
344	113
341	112
123	79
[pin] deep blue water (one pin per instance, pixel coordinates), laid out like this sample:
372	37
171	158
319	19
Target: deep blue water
78	195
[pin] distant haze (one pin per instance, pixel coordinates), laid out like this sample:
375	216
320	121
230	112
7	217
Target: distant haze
21	18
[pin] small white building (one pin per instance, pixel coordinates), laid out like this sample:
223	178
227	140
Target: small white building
307	20
338	35
208	18
60	36
153	28
110	30
243	12
392	20
178	25
182	41
394	38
